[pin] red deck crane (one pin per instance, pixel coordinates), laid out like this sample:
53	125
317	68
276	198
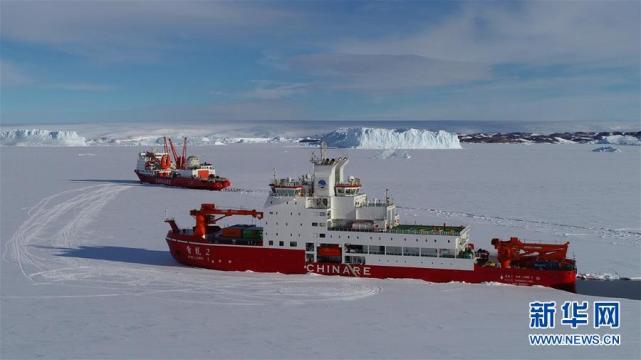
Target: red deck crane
180	160
206	216
165	160
184	154
515	252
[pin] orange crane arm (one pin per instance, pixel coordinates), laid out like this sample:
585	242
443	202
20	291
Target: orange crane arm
207	215
514	250
183	158
173	151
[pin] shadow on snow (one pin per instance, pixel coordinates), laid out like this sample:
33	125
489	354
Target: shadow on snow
627	289
120	254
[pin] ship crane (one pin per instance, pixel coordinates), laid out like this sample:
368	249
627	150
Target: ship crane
206	216
180	160
515	252
165	160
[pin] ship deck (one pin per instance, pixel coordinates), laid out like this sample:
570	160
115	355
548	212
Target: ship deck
412	229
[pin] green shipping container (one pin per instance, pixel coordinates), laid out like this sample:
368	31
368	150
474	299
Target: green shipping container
252	233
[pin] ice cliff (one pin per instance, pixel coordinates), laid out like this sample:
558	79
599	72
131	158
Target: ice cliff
376	138
40	137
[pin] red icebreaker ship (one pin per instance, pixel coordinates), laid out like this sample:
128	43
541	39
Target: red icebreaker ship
322	223
187	172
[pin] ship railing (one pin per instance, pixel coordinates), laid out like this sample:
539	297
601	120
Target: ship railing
399	231
375	204
354	182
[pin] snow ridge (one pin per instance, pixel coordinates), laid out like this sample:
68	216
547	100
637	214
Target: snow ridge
377	138
41	137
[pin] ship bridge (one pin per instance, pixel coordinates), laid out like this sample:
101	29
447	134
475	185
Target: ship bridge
328	210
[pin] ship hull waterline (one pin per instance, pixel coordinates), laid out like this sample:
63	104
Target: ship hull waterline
183	182
292	261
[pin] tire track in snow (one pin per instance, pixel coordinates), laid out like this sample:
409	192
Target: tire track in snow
602	232
60	221
84	204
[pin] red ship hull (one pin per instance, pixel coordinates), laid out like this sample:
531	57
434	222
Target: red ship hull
196	253
190	183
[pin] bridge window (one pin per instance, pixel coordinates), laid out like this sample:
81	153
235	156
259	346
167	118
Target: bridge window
357	249
448	253
293	244
431	252
411	251
394	250
355	260
374	249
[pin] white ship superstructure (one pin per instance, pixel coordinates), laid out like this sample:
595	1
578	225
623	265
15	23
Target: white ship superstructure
326	214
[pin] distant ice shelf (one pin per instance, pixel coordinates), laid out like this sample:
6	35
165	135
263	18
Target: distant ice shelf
346	137
377	138
44	137
40	137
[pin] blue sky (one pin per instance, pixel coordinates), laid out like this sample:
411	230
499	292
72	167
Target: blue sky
126	61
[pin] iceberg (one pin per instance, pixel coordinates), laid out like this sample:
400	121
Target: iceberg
41	137
377	138
620	140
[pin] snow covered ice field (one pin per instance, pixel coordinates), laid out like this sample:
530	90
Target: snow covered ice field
86	272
